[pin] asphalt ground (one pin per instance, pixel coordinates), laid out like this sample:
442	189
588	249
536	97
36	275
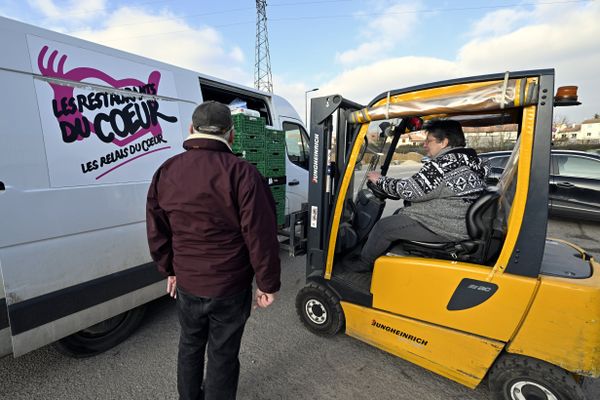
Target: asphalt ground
280	358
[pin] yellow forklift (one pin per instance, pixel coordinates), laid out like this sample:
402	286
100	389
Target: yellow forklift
508	304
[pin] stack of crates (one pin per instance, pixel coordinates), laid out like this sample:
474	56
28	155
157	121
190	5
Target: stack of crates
265	149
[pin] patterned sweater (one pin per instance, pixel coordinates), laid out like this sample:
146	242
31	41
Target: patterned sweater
442	191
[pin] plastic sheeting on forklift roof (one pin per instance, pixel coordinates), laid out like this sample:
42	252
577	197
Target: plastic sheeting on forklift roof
455	99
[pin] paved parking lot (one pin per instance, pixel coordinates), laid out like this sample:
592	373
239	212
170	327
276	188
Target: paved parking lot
280	359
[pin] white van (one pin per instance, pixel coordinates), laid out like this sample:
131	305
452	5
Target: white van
82	129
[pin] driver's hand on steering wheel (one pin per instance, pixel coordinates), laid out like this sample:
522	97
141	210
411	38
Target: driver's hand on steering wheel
373	176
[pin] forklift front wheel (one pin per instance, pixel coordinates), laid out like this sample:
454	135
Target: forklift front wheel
320	310
515	377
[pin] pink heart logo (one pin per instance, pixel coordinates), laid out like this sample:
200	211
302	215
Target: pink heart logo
129	118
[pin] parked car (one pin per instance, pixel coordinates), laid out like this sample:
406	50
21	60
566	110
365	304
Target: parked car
574	181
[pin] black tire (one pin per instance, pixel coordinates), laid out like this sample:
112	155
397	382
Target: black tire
515	377
320	310
102	336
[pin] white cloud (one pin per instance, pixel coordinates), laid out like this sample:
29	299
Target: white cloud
381	33
365	51
168	38
363	83
545	37
497	22
566	41
73	11
292	92
237	54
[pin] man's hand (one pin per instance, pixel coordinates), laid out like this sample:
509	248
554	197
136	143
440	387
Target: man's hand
373	176
172	286
264	300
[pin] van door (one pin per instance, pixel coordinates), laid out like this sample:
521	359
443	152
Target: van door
297	150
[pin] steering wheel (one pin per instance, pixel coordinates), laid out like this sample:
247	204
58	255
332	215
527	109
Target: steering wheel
380	194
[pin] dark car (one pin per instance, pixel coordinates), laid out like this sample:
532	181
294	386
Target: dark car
574	181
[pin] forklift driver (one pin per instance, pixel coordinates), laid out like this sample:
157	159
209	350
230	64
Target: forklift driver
440	194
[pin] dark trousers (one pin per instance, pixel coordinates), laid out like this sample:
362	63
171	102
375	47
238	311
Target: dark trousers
215	325
390	229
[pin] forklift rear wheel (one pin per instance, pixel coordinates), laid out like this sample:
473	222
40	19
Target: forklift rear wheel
515	377
320	310
101	336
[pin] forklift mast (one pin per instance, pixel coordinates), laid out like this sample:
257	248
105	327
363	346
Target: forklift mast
331	138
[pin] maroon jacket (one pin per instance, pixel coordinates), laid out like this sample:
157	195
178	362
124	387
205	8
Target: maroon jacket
211	222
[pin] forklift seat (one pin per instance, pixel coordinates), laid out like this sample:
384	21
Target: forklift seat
483	246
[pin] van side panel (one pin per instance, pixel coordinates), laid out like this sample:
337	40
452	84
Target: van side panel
5	343
64	229
47	333
22	155
37	268
73	212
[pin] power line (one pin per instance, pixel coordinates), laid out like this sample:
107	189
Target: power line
232	10
287	19
183	16
302	3
416	11
97	10
432	10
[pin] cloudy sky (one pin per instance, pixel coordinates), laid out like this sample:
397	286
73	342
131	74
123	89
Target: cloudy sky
358	48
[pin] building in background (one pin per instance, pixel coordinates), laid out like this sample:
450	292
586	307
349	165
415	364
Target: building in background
590	131
497	137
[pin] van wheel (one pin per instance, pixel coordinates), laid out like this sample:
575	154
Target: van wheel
320	310
102	336
522	378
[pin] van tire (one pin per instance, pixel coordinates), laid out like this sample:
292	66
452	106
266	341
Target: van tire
102	336
320	310
511	375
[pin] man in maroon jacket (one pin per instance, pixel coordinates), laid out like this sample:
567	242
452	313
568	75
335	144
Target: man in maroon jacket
211	227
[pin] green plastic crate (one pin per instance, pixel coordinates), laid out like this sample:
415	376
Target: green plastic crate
245	124
260	165
275	143
253	154
280	211
275	162
239	149
250	140
274	135
278	191
276	147
274	172
275	155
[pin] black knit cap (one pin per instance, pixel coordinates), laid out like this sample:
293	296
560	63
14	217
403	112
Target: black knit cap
212	117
